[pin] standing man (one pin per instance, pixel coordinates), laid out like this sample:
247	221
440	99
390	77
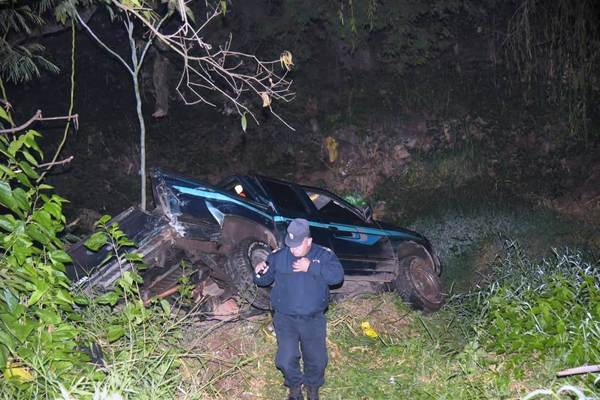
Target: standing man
302	273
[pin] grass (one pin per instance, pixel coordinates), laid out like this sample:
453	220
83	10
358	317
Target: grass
468	215
451	354
141	364
446	355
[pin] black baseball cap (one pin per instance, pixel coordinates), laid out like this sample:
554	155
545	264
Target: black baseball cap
297	231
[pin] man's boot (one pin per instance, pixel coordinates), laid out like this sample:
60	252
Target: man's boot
312	392
296	393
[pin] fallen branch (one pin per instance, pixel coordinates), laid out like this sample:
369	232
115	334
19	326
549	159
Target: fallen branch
161	295
586	369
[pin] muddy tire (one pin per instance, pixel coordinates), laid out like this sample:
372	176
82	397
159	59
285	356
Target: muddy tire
418	284
240	269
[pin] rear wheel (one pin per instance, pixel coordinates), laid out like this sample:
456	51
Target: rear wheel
418	283
240	269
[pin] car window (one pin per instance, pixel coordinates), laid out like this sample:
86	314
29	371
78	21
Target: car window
236	188
285	198
330	208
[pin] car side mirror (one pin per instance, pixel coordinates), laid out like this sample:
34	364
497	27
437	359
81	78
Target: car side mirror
367	212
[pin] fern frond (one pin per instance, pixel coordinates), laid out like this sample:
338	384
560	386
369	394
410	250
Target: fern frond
23	63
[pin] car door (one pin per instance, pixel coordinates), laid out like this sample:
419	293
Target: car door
291	203
352	237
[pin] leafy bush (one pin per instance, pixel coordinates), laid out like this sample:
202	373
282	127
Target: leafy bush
45	330
551	308
39	334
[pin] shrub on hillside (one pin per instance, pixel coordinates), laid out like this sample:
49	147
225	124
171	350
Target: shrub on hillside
547	308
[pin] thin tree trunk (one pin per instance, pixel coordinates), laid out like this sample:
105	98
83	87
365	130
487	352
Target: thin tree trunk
138	103
134	71
138	100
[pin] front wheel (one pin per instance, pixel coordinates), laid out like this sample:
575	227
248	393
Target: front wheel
240	270
418	284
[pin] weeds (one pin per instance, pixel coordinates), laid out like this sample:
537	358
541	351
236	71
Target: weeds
551	308
453	354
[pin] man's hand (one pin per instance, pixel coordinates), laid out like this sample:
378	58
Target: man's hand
261	268
301	265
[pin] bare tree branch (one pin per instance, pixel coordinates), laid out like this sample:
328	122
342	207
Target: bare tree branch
52	164
231	74
101	43
74	117
38	117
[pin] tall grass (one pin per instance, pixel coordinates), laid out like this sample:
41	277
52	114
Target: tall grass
499	342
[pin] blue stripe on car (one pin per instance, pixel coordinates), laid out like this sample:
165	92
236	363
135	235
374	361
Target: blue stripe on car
351	228
219	196
373	234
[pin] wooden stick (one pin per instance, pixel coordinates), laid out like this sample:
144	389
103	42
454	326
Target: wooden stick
586	369
163	294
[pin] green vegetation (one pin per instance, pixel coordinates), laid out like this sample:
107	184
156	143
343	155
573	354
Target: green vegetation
38	320
556	46
48	330
21	61
515	313
551	307
480	346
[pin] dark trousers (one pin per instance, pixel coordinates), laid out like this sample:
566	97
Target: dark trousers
301	336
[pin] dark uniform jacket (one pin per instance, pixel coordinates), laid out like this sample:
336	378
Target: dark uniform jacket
301	293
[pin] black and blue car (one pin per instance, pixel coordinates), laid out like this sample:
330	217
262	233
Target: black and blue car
230	227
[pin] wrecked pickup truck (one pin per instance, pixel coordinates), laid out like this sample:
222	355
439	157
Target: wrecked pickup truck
223	231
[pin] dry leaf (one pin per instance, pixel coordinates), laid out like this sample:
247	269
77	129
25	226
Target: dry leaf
266	99
332	148
286	60
21	374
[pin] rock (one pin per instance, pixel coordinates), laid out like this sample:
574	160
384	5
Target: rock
212	289
379	210
312	106
86	220
400	153
226	310
411	143
159	113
